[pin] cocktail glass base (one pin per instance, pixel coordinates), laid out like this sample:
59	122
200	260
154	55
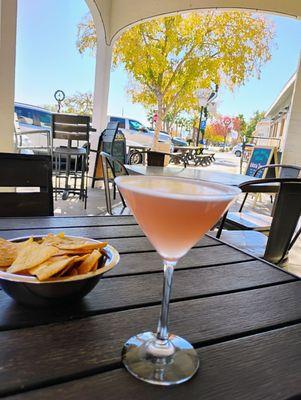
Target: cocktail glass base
160	362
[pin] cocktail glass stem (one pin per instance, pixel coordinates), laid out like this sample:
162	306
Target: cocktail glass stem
162	330
161	358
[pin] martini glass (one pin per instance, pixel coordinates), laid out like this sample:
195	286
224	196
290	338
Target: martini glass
174	214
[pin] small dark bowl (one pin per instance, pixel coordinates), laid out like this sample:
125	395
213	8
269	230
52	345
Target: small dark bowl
28	290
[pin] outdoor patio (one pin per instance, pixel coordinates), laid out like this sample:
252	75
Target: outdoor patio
225	162
84	314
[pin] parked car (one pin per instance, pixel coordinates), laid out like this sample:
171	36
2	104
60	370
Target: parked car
237	150
136	133
31	118
177	141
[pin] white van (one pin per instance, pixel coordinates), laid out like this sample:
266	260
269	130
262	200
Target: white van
137	134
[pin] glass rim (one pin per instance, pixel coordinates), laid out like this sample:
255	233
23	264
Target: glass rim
227	192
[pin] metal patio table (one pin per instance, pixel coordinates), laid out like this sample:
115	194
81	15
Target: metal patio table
225	178
242	315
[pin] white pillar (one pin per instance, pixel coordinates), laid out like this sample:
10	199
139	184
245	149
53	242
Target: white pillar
8	21
292	140
102	84
101	94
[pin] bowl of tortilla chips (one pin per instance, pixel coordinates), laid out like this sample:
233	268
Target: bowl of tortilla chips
54	269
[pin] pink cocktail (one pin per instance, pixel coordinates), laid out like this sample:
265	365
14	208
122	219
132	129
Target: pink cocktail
174	214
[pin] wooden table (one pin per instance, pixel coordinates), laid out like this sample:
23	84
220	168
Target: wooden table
225	178
242	315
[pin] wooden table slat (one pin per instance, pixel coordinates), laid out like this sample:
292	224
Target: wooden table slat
103	232
35	356
136	291
196	257
63	222
220	376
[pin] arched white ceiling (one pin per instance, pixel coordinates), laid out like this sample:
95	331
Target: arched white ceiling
117	15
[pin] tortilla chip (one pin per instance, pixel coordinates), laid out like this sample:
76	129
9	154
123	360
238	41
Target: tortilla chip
30	256
73	272
86	247
25	243
71	265
69	243
60	239
94	268
8	252
51	267
81	252
89	262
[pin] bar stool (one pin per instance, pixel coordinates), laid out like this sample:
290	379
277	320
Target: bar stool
70	163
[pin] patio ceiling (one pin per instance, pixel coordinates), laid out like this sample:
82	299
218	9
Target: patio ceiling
117	15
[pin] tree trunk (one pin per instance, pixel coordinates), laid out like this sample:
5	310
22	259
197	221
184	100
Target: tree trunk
158	127
167	127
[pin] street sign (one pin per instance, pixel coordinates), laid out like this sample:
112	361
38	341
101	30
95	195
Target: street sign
227	121
203	125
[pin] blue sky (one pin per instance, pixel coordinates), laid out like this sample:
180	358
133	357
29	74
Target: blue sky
47	60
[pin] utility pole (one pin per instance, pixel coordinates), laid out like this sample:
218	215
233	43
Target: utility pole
200	126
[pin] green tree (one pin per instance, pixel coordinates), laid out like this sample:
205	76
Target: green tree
169	58
251	125
50	107
243	124
150	117
86	35
78	103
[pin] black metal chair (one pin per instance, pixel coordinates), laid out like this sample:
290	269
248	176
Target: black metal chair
26	171
112	166
282	236
71	162
253	220
111	141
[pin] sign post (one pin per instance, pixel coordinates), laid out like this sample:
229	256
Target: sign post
59	96
244	139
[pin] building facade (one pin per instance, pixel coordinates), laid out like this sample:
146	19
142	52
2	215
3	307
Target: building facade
272	130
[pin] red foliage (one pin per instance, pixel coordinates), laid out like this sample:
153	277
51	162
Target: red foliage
236	124
224	125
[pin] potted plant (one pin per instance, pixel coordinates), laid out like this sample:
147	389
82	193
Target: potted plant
156	158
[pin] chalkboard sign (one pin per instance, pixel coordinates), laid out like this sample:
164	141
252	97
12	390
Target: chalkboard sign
261	156
111	141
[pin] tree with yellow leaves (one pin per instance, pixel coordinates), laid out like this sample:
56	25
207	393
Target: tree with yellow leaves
169	58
